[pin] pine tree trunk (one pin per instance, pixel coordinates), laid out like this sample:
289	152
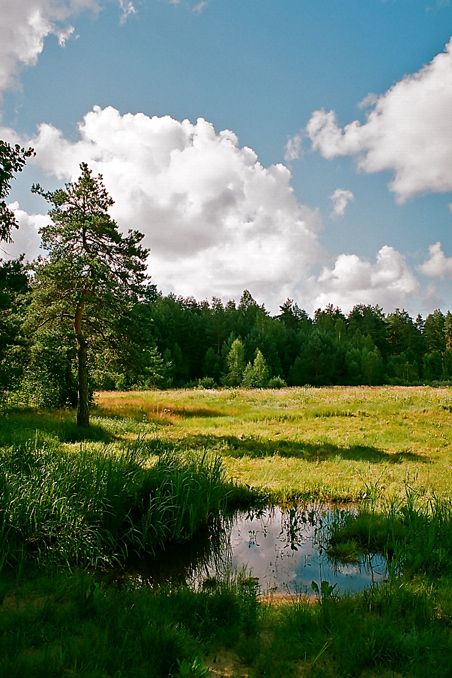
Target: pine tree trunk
83	397
82	369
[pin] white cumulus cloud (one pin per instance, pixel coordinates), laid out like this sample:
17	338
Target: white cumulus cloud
216	220
26	238
407	132
437	265
341	198
388	282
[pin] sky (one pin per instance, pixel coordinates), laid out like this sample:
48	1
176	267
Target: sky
295	149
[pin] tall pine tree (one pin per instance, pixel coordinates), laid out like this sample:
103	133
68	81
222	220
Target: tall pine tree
92	276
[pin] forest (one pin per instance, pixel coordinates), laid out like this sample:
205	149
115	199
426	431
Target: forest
182	342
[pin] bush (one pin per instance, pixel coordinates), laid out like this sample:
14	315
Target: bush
276	382
206	382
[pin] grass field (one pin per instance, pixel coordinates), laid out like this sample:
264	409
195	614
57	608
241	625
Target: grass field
334	443
387	449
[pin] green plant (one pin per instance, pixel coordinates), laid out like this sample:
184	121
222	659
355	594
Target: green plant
194	669
96	506
325	590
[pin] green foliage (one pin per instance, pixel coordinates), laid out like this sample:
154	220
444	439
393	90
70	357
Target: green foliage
12	160
235	361
365	347
193	669
372	366
14	285
49	378
257	374
276	382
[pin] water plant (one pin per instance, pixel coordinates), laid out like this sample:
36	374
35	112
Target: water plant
98	506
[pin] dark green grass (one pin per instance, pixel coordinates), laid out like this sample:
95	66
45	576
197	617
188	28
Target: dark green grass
415	534
57	626
393	628
20	425
98	506
79	627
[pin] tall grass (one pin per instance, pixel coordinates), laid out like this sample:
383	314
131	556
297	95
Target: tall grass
83	628
99	506
414	533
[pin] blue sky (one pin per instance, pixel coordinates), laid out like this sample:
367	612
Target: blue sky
321	165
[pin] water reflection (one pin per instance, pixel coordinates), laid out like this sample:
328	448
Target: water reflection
283	547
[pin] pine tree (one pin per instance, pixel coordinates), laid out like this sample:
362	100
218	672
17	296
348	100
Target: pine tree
92	276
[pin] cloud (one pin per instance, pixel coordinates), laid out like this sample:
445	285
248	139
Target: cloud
127	8
200	7
216	220
293	148
437	265
389	282
340	199
26	23
408	132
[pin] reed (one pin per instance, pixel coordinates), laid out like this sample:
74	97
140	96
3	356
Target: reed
414	533
99	506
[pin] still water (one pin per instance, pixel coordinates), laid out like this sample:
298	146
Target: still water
284	548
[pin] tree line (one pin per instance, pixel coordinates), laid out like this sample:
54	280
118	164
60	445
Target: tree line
86	316
243	345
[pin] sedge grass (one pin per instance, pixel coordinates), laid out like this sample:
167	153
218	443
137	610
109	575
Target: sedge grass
94	507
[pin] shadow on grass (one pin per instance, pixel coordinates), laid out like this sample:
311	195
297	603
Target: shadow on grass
256	448
185	411
20	425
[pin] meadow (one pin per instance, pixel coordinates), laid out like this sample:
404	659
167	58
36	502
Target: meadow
155	468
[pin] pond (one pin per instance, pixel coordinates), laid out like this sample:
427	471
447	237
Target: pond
284	548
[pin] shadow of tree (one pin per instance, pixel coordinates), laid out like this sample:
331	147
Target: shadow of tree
237	447
23	425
